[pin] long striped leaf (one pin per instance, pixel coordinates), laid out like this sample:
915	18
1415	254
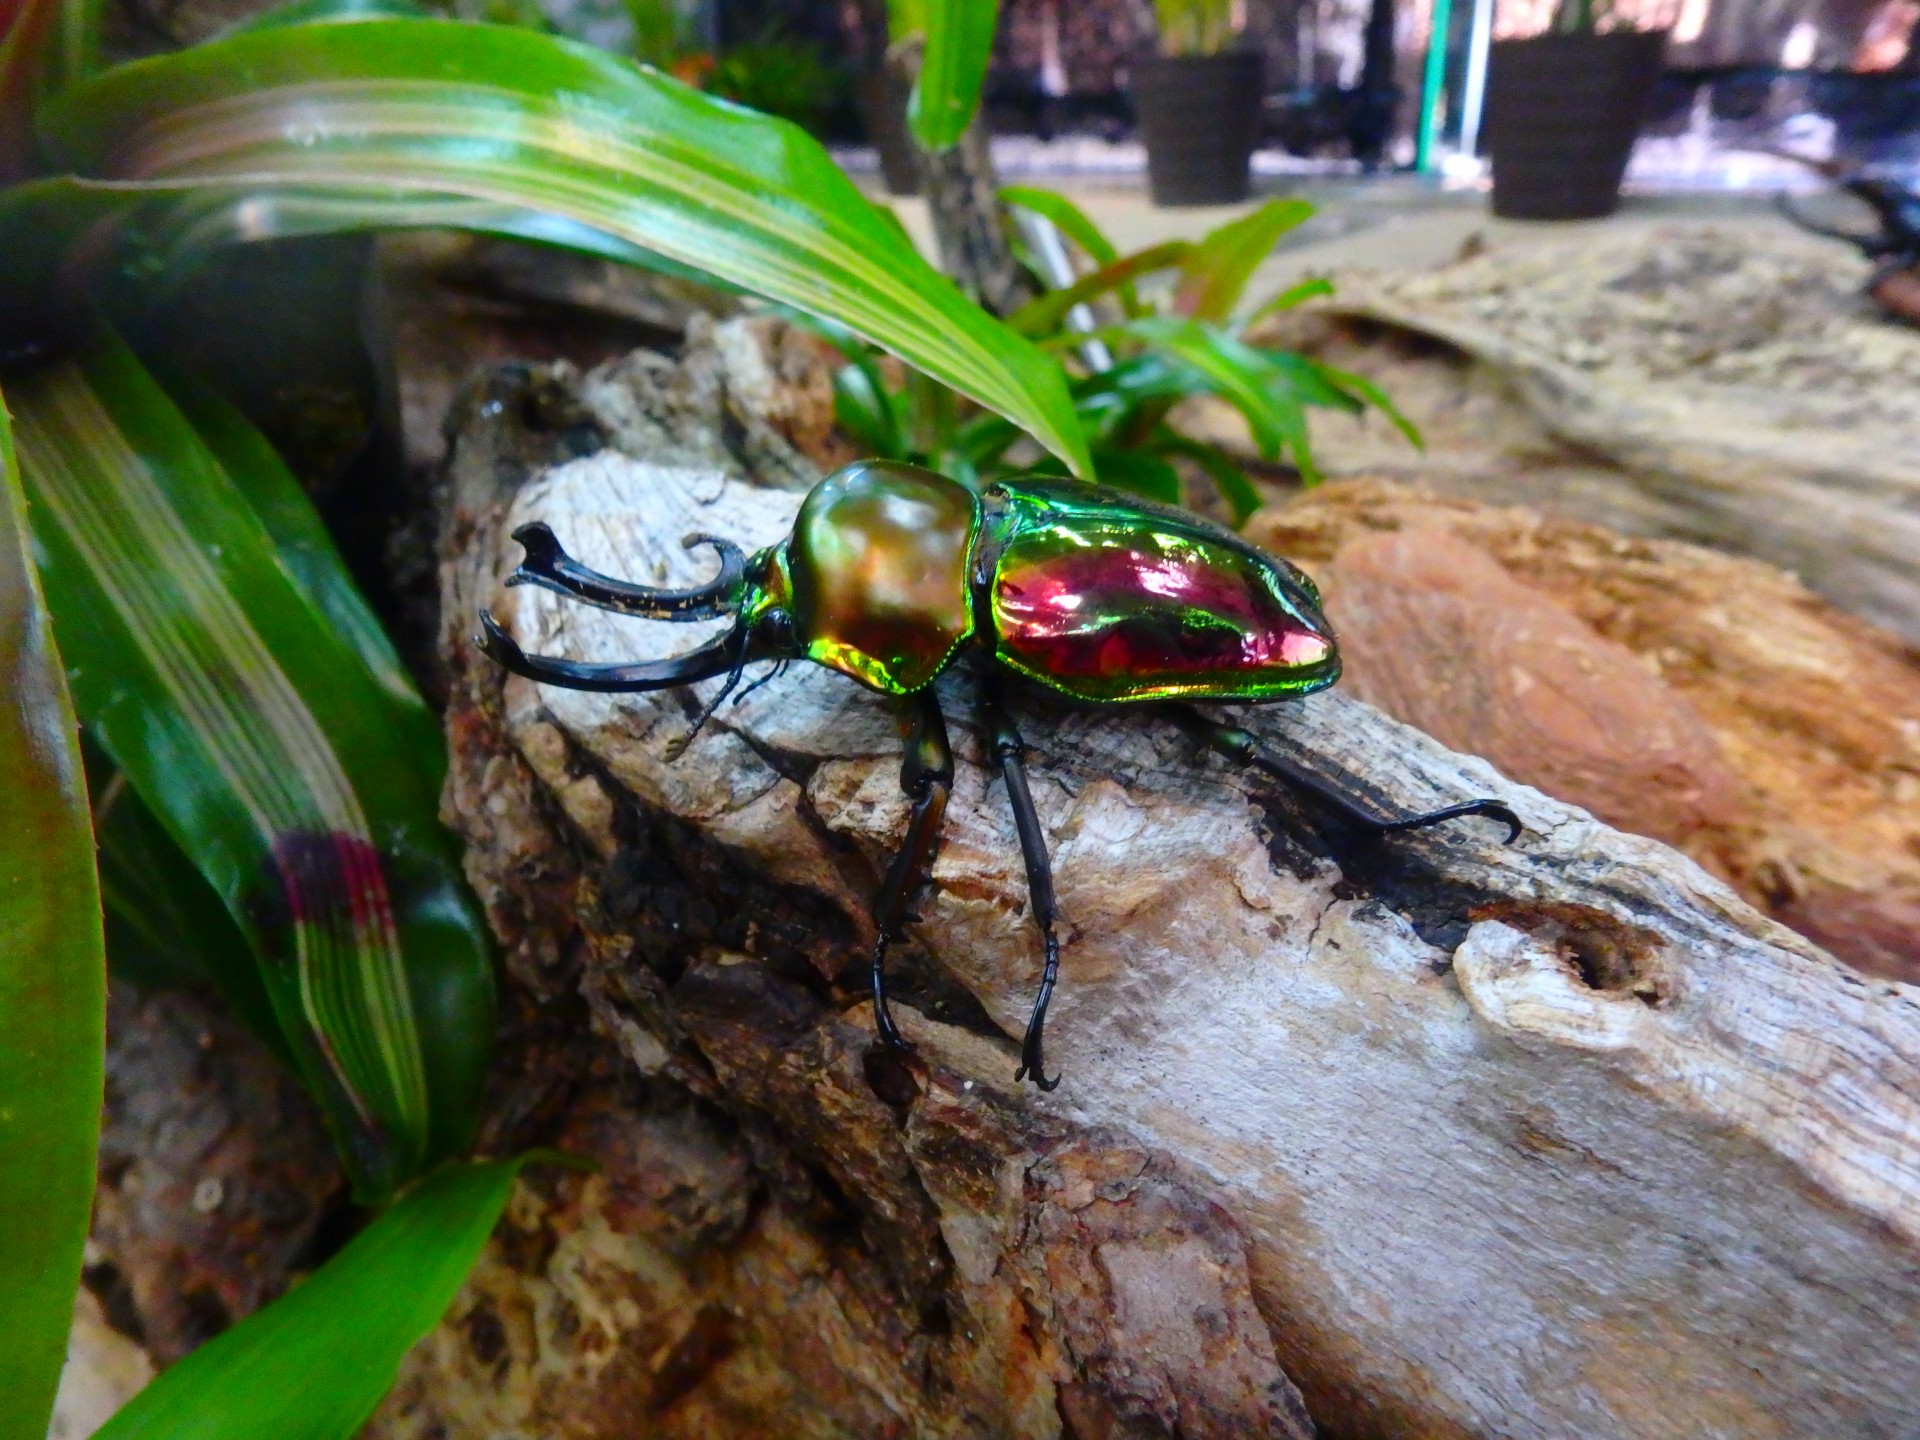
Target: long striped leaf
952	70
398	111
265	746
52	987
314	1363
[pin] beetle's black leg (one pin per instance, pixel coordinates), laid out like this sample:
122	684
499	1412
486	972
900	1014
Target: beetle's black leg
1009	750
1236	744
926	774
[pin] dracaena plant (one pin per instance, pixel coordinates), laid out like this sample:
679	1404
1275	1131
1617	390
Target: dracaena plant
1135	352
265	775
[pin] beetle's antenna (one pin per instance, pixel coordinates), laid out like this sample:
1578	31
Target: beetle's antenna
680	747
779	669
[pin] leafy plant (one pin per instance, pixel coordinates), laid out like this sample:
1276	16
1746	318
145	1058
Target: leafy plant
1133	366
1194	27
953	66
267	776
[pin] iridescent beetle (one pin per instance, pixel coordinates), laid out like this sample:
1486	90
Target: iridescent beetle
893	573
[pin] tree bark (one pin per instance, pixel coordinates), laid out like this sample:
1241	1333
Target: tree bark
1561	1139
963	202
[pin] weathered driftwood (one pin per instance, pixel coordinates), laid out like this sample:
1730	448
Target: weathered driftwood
1556	1140
1707	701
1700	382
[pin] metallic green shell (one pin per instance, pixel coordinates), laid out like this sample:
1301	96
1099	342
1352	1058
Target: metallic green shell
1104	598
878	567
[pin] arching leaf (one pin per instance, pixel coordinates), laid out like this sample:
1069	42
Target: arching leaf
261	740
52	986
374	121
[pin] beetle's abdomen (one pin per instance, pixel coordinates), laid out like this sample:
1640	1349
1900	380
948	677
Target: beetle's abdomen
1104	599
878	565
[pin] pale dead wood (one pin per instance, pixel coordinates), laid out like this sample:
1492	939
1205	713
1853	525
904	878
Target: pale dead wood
1697	381
1557	1140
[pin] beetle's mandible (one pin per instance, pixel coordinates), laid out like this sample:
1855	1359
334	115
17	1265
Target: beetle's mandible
893	574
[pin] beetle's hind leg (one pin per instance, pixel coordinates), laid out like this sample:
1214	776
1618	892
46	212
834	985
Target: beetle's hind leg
1009	750
1236	744
926	774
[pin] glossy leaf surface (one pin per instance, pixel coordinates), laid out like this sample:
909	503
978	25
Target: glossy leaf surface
952	69
371	121
314	1363
266	747
52	986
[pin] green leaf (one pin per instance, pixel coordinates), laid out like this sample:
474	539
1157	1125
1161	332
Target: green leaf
45	45
52	986
865	410
1220	467
1043	315
315	1363
1293	295
1235	371
1361	388
1142	474
311	559
954	66
165	924
1071	220
260	739
389	115
1221	264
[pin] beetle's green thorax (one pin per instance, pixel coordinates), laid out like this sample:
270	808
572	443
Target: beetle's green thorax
1104	598
876	573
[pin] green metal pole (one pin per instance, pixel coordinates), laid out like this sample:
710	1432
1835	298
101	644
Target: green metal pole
1432	88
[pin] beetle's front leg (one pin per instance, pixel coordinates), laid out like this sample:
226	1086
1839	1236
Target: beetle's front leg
926	774
1008	750
1236	744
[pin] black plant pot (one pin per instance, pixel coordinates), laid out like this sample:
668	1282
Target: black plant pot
1562	115
1200	117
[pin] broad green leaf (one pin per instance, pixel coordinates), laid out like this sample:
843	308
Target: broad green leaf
394	113
52	986
1069	218
1217	271
315	1363
1043	315
952	70
261	741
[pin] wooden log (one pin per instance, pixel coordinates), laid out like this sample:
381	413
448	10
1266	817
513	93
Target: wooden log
1729	386
1562	1139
